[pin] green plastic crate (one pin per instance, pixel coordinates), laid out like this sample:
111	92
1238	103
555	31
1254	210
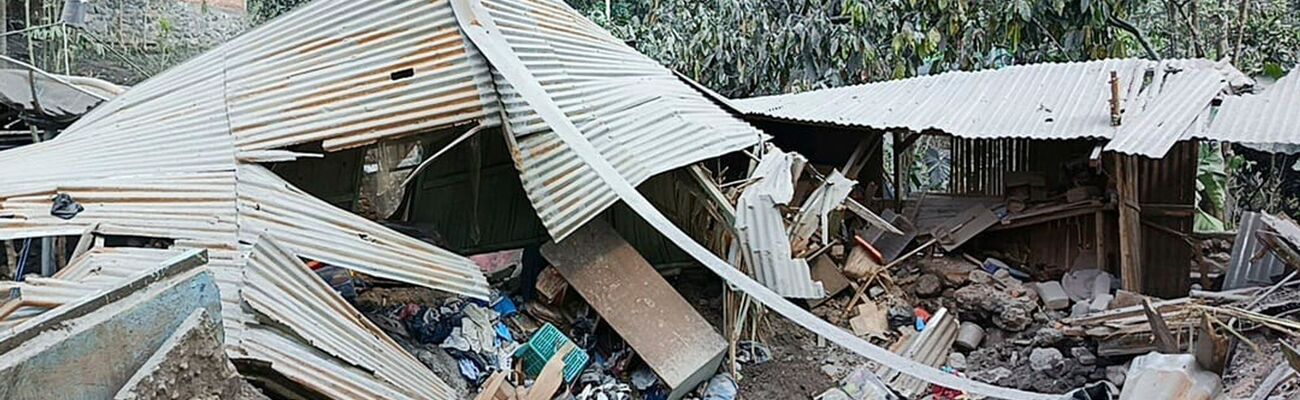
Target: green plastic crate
543	345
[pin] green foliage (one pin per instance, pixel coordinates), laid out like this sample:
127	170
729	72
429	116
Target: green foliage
263	10
1268	33
1211	189
752	47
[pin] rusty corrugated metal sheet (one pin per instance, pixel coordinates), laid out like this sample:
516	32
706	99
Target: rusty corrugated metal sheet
92	272
325	72
637	113
283	289
160	160
314	229
1266	119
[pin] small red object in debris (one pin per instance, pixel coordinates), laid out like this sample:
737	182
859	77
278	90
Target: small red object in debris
943	393
315	265
923	315
875	254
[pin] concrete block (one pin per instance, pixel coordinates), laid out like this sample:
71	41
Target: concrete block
1100	303
1052	295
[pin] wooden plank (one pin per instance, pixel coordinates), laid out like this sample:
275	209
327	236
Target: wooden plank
1130	224
1165	342
962	228
672	338
492	386
551	377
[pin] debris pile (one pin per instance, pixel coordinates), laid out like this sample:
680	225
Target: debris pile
174	255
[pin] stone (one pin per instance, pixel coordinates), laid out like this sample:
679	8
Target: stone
928	285
979	277
1047	337
1084	356
994	337
833	371
992	376
1101	285
875	291
1004	310
1116	374
957	361
1100	303
1080	309
1046	359
1052	295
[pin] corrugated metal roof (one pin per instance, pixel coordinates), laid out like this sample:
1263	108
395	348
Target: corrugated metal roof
1177	107
326	72
1040	101
637	113
1163	102
1265	119
762	233
90	273
283	289
314	229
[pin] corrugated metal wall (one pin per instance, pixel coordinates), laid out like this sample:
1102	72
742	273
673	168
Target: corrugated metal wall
1170	181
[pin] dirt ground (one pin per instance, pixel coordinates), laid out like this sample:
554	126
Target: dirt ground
1249	368
798	369
194	367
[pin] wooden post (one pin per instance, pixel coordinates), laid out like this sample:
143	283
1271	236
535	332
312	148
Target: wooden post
1130	224
898	172
4	27
1099	219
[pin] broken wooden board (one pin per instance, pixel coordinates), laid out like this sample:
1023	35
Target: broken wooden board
825	271
870	321
676	342
889	244
957	231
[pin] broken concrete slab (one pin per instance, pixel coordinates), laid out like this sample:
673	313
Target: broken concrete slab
78	350
676	342
191	364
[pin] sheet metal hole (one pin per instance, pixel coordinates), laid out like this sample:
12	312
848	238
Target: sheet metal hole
403	74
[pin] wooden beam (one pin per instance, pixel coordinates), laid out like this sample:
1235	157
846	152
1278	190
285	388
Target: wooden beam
715	195
1130	224
1165	342
862	154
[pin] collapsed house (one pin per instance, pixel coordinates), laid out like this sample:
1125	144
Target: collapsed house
1071	177
215	155
1045	127
181	161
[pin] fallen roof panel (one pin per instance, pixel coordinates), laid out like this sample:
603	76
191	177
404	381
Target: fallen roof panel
641	116
281	287
482	30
